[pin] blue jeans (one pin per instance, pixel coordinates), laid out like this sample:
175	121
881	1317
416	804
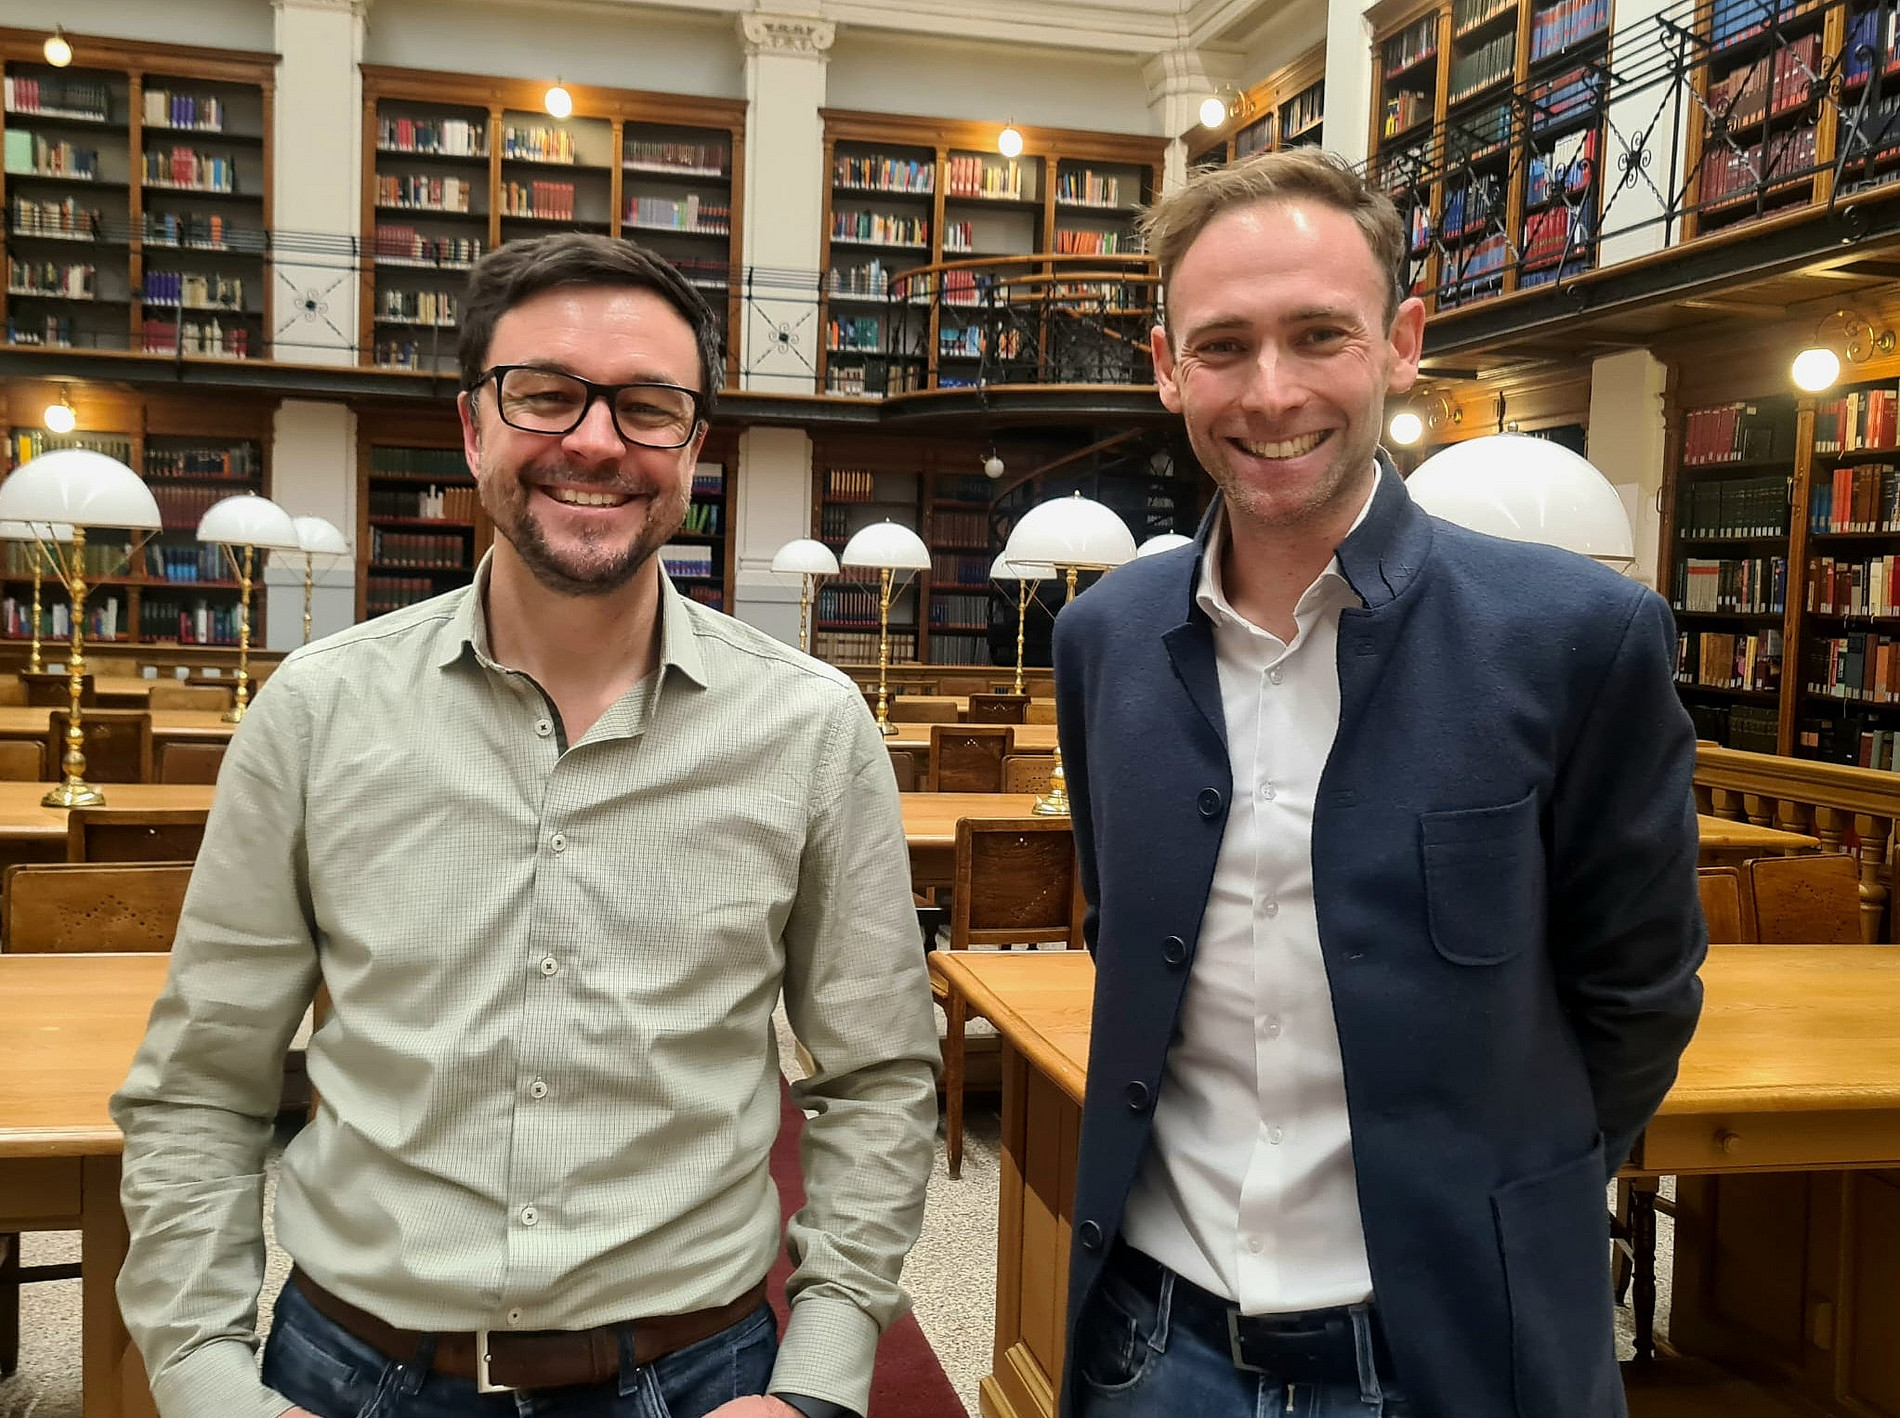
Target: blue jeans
320	1366
1132	1361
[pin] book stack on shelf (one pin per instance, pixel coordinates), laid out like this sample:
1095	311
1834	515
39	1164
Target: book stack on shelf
1096	207
879	191
420	533
1302	116
1758	147
1556	28
845	614
431	213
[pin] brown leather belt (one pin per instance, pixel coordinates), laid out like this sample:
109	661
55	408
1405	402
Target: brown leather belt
508	1359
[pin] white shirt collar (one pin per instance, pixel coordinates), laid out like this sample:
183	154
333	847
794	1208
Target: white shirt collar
1211	596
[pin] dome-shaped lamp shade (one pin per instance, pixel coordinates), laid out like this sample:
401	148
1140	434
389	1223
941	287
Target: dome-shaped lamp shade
248	520
1003	569
36	531
80	488
887	544
1165	541
319	537
805	557
1527	490
1071	532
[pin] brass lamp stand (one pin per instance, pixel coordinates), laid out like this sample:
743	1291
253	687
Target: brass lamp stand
884	724
804	611
1022	616
1055	803
241	697
33	663
309	583
74	790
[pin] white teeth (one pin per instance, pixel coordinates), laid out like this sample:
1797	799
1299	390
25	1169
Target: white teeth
585	499
1292	448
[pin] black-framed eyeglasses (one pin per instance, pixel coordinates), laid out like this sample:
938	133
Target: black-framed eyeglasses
537	400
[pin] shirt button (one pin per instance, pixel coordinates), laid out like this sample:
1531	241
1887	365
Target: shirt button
529	1216
1272	908
1272	1029
1275	1135
1274	676
1255	1244
558	842
544	727
514	1317
537	1089
1268	792
549	965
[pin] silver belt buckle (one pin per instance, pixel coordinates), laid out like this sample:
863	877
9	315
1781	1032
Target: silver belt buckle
1234	1350
482	1382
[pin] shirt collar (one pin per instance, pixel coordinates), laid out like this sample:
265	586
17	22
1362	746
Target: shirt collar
1211	595
467	630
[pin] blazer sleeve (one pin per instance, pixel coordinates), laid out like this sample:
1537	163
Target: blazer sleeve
1067	650
1626	929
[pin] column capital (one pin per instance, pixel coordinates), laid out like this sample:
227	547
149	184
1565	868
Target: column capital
803	36
355	9
1177	73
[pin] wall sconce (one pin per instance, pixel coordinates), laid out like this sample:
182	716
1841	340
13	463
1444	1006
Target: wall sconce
57	49
1818	366
1224	103
1430	413
1009	142
558	101
60	416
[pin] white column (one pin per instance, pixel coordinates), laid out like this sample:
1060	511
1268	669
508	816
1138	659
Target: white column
780	337
1639	123
1178	81
319	181
1626	443
1348	79
774	507
313	473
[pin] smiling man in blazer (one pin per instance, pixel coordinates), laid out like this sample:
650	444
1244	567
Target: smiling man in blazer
1389	845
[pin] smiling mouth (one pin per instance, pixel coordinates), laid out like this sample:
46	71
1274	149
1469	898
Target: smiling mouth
582	497
1288	448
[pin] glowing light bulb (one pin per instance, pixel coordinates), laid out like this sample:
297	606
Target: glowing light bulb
1407	428
57	51
1009	143
558	102
60	418
1816	369
1213	113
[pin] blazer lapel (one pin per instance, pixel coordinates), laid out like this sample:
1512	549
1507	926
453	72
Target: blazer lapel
1191	647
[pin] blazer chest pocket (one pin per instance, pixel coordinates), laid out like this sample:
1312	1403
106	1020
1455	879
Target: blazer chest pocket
1484	880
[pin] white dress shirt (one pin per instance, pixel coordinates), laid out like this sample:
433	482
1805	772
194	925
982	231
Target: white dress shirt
1248	1187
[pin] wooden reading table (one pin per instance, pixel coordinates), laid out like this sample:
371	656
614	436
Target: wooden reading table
1030	738
21	721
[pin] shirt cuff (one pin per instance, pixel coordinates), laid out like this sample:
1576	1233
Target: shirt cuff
219	1377
816	1407
826	1353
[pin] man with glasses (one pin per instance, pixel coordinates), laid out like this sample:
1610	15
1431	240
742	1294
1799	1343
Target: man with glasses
555	844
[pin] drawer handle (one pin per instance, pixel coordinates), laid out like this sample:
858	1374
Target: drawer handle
1728	1142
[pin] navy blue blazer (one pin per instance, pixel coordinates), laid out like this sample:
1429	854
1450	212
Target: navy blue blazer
1504	854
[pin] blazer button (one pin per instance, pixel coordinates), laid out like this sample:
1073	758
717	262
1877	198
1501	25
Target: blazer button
1137	1095
1174	950
1209	802
1090	1235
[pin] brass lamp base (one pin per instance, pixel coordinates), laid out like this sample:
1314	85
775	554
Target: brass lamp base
233	715
888	729
1053	804
74	792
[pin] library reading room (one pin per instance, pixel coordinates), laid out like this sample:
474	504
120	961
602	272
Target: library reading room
940	461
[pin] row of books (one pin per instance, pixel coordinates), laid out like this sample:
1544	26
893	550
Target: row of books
964	529
1726	660
973	342
1566	167
416	307
66	217
443	463
950	649
1775	83
423	193
1879	749
538	144
1549	234
194	290
1480	260
1873	38
552	201
191	170
1566	23
861	382
1729	172
1870	586
884	228
67	96
684	562
949	568
866	278
51	278
198	231
105	618
203	113
1756	585
1404	109
24	443
1414	44
1854	422
432	503
1095	243
437	137
847	604
704	159
1740	432
685	214
1862	666
181	506
410	354
1753	728
707	593
383	594
966	487
1863	499
1088	189
971	176
405	243
1468	13
1470	205
50	331
1734	20
855	332
857	647
884	174
1733	507
195	337
417	548
1305	110
239	462
28	154
1478	134
702	519
849	485
196	622
102	559
1490	62
709	480
186	564
960	610
1569	96
1420	221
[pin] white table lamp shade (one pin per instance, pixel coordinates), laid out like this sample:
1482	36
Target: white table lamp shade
1527	490
80	488
1164	541
248	520
320	537
1069	532
36	531
805	557
1003	569
887	544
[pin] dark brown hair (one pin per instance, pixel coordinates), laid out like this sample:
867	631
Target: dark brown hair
521	270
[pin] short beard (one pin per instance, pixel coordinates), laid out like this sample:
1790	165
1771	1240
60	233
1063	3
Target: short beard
505	496
1348	465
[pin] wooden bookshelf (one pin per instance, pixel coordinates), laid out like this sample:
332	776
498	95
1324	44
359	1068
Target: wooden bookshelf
904	192
193	451
456	164
1287	109
1487	129
137	192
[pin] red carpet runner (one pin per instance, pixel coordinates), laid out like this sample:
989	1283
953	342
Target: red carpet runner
908	1382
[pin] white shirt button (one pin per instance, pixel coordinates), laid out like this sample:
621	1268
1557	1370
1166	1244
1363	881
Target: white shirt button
1255	1244
529	1216
1268	792
558	842
1275	1135
1274	676
544	727
537	1089
549	965
1272	1026
514	1317
1272	909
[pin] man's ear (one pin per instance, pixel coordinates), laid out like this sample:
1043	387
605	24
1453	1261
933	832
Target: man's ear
1163	353
471	431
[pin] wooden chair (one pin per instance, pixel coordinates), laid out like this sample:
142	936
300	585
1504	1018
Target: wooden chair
1807	900
920	711
67	908
22	760
904	766
1028	772
1041	711
1015	884
12	691
52	689
118	745
186	761
174	695
968	758
997	709
118	834
1726	906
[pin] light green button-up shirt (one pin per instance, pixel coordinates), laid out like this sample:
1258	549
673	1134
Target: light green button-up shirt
549	1082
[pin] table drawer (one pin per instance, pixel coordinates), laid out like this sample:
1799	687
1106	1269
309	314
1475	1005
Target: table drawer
37	1190
1752	1142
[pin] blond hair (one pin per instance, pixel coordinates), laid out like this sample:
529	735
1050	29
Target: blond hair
1172	222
